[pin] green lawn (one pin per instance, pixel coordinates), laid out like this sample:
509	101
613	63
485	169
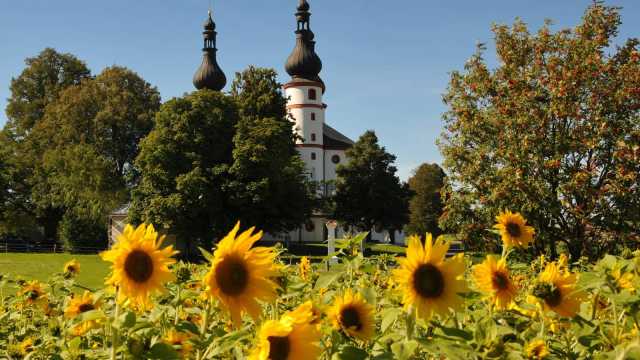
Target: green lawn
42	266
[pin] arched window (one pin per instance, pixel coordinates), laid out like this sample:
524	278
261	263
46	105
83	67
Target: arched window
313	137
313	116
312	94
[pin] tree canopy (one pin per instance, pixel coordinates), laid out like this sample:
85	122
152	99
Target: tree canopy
552	132
425	206
369	194
72	140
214	159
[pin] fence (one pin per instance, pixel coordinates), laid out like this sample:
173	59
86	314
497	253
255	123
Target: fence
26	247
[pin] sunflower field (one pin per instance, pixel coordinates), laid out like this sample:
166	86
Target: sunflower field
246	303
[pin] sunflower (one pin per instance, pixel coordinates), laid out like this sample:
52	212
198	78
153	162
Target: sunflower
26	346
513	229
33	293
71	268
430	283
557	291
622	280
492	277
241	275
293	337
353	315
305	267
140	266
536	349
79	305
180	340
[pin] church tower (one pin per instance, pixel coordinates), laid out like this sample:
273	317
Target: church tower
209	75
305	94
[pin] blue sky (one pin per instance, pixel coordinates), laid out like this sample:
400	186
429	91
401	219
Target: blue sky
386	63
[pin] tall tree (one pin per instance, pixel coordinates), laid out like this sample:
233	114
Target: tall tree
369	194
214	159
425	206
552	132
268	182
39	84
184	165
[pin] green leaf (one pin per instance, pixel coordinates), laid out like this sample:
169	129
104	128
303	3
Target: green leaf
207	255
163	351
326	278
404	350
91	315
389	316
350	353
454	332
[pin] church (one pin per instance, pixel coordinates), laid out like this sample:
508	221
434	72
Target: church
321	147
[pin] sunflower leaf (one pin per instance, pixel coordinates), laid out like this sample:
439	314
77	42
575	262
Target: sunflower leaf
325	279
207	255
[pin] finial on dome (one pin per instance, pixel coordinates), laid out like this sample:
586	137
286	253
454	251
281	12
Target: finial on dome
209	75
304	63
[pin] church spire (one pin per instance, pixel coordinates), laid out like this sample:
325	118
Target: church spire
209	75
304	63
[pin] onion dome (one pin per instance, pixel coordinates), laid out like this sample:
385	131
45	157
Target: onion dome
304	63
209	75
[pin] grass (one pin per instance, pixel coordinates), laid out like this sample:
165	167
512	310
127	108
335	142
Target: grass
42	266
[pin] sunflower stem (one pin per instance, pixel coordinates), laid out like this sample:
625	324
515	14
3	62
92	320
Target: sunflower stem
410	318
203	329
114	329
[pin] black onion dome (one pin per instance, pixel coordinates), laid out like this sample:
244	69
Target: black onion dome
304	5
209	75
304	63
209	24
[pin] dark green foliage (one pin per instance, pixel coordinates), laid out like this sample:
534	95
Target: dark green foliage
268	185
425	206
80	232
368	192
39	84
72	140
184	166
214	159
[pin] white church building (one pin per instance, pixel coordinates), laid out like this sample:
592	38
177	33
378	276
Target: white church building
321	147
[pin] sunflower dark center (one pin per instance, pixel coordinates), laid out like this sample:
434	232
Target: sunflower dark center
350	318
33	295
500	281
85	307
428	281
278	347
139	266
513	229
232	276
554	297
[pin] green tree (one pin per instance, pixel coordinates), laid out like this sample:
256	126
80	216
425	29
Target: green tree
368	192
552	132
214	159
425	206
39	84
268	186
184	166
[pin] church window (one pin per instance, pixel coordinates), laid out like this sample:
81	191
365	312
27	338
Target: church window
335	159
313	156
312	94
313	116
313	137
